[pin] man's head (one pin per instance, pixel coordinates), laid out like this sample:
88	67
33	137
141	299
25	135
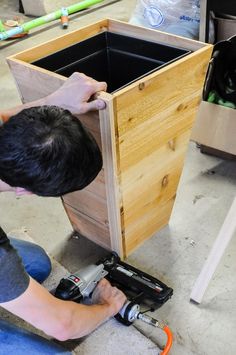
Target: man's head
47	151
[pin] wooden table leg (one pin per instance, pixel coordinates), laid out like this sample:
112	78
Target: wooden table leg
226	232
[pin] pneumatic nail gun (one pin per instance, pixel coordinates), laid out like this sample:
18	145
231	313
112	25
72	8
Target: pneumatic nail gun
139	287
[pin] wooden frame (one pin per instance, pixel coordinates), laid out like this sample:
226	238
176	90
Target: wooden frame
143	134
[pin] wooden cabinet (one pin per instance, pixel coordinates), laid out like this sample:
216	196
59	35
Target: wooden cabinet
143	132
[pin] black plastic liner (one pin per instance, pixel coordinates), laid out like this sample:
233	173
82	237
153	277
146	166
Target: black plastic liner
116	59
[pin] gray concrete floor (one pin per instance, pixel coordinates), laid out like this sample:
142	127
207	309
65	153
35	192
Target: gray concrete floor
175	254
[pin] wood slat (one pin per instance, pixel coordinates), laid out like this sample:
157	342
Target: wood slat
156	162
92	123
150	135
89	228
97	186
153	181
88	204
34	83
146	226
61	42
171	85
111	172
154	35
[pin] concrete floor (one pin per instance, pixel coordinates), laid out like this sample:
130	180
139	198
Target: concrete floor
175	254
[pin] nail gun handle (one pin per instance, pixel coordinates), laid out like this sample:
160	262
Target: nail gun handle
68	290
128	313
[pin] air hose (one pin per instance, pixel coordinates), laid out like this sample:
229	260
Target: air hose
169	340
154	322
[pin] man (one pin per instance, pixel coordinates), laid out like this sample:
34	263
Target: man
45	150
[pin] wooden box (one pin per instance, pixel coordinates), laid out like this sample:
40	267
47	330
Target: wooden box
143	132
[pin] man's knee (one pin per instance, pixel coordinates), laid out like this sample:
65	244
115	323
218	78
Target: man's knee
34	258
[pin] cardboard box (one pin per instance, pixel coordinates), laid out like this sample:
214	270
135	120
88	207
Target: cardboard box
215	127
225	28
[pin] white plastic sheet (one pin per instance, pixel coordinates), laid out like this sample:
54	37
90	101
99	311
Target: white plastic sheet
180	17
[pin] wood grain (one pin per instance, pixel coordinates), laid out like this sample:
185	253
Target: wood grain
147	226
61	42
89	228
143	134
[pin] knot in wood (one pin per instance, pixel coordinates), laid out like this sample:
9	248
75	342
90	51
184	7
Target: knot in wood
165	181
180	107
103	29
141	86
172	144
130	119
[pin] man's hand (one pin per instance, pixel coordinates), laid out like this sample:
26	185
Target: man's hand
76	94
65	320
104	293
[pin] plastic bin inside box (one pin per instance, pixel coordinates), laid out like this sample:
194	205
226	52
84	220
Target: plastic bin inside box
116	59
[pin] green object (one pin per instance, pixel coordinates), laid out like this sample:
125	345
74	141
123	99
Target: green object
25	27
2	28
226	103
214	98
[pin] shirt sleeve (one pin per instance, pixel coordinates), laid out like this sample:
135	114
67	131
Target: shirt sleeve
14	280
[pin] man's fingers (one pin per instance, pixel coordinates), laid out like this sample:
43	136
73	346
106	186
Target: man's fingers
97	104
103	282
84	79
100	86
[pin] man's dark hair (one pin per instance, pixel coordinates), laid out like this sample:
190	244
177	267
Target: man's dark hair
47	151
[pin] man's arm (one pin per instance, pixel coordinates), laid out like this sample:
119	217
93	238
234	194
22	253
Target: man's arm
74	95
65	320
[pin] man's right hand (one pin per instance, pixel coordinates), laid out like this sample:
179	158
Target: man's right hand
77	94
104	293
65	320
